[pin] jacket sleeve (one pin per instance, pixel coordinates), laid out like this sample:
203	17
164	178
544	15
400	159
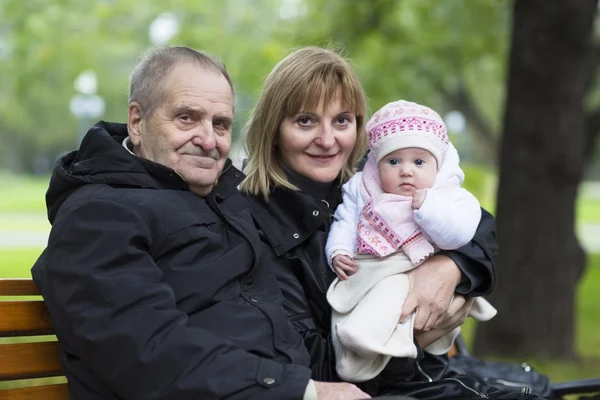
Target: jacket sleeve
476	259
115	312
449	217
344	230
450	214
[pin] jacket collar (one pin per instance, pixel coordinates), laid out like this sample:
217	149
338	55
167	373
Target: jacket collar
228	181
230	176
290	217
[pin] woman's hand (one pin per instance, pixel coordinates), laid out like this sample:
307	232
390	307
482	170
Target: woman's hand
432	286
453	317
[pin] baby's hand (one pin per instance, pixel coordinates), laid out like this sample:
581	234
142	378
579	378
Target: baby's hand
418	198
343	266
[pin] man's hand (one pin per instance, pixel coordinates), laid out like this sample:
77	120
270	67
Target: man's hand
432	286
453	317
339	391
343	266
418	198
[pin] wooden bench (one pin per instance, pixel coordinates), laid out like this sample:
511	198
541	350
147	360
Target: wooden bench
32	359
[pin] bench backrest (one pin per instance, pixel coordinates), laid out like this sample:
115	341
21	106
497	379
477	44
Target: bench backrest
33	358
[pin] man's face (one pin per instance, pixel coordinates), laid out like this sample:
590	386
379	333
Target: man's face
190	131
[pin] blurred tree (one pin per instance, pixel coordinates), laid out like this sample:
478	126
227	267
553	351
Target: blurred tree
541	166
48	44
45	45
448	55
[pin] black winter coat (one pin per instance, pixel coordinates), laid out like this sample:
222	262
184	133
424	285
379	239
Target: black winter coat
296	223
157	293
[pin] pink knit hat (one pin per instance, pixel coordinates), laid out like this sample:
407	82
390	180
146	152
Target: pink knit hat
403	124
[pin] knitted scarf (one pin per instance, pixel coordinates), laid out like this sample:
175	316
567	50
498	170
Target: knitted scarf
386	222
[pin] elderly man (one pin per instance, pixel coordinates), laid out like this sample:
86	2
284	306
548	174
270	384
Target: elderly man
153	274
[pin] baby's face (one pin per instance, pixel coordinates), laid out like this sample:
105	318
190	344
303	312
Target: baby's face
406	170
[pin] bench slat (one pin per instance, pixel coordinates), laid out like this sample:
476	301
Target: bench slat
24	318
453	351
29	360
18	287
48	392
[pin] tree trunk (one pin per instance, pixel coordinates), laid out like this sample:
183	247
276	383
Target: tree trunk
541	166
592	133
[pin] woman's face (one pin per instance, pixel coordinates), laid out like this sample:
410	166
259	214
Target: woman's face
317	143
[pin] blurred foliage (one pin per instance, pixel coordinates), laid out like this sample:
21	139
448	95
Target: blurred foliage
450	55
422	49
45	45
481	182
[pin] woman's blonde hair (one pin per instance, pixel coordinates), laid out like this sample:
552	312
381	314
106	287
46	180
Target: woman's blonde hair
297	83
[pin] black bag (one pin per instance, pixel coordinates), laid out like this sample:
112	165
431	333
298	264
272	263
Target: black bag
510	377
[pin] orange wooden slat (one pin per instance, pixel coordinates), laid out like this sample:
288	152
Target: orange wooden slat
48	392
24	318
29	360
18	287
453	351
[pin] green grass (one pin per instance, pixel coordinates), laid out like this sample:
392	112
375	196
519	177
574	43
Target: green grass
23	203
23	193
16	263
588	210
24	222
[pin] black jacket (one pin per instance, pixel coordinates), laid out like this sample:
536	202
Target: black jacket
157	293
296	223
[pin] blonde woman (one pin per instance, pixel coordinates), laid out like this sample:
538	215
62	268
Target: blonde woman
304	138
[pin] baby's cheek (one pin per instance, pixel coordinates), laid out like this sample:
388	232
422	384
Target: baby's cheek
430	179
388	182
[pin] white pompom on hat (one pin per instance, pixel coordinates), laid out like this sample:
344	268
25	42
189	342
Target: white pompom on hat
403	124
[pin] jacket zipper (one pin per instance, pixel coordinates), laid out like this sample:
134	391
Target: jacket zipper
524	388
423	372
483	396
430	379
300	317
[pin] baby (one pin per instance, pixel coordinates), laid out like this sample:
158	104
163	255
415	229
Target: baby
404	206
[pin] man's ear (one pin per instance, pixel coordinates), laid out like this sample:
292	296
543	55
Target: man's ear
134	122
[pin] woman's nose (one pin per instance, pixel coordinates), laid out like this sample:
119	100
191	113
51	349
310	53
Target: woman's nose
326	137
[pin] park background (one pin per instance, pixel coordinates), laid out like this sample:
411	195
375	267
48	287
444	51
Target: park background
65	64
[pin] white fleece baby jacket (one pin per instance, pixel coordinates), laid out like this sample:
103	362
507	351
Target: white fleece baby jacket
367	306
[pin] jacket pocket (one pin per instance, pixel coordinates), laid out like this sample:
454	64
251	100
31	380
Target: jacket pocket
303	322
